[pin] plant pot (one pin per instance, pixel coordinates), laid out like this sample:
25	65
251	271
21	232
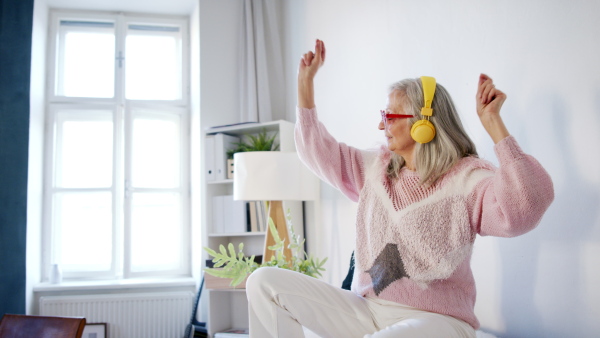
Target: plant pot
213	282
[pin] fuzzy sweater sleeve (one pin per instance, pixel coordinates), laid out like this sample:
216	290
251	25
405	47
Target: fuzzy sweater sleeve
336	163
512	201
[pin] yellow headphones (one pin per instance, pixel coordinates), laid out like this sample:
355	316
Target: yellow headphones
423	130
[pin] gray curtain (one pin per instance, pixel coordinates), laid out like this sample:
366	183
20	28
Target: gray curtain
262	82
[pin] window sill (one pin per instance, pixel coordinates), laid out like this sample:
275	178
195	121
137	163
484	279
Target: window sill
137	283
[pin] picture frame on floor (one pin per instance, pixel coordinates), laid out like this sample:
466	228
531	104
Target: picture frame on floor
95	330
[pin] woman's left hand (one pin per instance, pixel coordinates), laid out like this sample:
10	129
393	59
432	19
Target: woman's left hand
489	101
489	98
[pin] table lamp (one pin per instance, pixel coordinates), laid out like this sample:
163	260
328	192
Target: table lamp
273	176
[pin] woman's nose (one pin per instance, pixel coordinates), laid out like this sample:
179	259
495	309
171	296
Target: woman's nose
381	125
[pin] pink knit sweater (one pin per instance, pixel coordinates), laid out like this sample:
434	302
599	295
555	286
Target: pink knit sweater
414	244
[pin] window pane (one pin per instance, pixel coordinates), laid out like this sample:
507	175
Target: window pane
82	223
86	59
156	236
84	149
156	150
153	55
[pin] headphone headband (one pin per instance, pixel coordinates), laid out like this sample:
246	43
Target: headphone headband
423	130
428	93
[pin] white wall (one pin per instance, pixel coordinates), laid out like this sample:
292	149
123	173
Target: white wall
219	67
195	139
221	25
36	147
542	53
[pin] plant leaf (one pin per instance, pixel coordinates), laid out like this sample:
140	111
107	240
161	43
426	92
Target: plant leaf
235	265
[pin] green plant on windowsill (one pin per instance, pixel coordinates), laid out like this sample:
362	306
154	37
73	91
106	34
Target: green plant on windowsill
259	142
235	265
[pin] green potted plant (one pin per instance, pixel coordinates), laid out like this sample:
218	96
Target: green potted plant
259	142
236	266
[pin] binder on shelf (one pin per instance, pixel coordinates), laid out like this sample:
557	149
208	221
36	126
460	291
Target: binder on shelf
229	216
209	158
223	142
230	169
253	217
261	213
234	215
248	225
218	214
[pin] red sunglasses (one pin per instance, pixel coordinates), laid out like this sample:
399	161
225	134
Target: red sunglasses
385	116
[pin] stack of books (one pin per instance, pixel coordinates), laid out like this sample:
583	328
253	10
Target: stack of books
230	216
257	216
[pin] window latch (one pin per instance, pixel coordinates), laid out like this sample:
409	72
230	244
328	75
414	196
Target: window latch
120	59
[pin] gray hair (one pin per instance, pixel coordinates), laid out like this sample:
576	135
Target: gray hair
451	142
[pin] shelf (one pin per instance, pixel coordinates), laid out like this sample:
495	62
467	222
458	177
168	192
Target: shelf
229	181
238	234
249	128
228	307
241	290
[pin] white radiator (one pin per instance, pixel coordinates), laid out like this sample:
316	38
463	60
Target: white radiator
141	315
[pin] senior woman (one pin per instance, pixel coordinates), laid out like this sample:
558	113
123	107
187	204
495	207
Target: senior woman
422	199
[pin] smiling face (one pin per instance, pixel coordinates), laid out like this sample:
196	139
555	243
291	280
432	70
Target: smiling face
397	130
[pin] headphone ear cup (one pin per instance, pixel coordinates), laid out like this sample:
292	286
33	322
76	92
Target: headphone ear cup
422	131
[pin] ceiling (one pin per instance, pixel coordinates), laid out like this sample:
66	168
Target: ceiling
171	7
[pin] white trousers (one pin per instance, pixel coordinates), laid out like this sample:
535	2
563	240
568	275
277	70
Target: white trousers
281	302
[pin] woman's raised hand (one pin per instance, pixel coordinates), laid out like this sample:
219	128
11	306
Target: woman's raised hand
312	61
489	98
489	101
309	65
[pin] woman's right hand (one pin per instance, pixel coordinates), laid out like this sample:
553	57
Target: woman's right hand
311	62
309	65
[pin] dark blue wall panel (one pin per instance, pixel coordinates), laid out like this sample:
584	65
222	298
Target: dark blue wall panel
16	18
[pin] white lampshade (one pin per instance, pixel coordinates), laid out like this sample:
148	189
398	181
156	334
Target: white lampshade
272	176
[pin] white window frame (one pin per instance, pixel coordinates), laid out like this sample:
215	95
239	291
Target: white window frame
183	189
122	111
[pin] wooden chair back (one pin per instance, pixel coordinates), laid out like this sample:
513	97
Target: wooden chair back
24	326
